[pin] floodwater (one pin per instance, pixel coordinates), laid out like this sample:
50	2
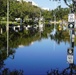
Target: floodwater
42	55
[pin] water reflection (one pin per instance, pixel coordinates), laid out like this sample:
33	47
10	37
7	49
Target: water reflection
6	71
27	38
71	69
60	36
17	39
3	57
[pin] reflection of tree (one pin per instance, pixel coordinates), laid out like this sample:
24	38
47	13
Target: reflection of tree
6	71
22	38
60	36
16	39
3	51
1	64
45	32
3	56
71	70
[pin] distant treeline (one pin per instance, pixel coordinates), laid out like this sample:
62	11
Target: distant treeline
26	10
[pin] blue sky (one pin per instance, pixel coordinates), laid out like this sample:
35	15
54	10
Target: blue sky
49	4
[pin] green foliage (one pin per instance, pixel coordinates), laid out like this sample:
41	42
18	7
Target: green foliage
3	8
26	11
61	13
22	10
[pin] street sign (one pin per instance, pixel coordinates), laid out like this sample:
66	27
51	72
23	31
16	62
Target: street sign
71	17
70	55
71	25
70	51
74	2
70	59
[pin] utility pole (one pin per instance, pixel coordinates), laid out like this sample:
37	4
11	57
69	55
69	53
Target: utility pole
71	27
7	26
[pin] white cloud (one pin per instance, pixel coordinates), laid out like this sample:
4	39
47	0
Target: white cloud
33	3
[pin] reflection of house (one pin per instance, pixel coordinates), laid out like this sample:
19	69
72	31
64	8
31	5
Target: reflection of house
41	23
2	29
21	46
27	27
17	19
40	27
36	20
15	28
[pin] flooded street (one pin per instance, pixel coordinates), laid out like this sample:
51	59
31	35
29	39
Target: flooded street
44	52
